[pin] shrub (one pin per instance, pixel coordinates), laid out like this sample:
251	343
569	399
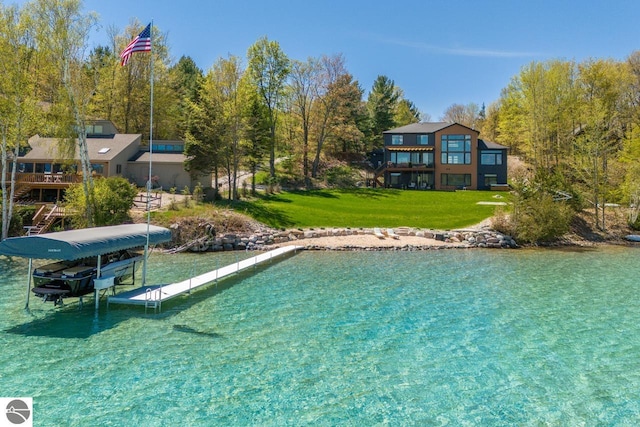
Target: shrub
198	193
341	177
535	219
186	192
112	199
211	194
262	178
21	215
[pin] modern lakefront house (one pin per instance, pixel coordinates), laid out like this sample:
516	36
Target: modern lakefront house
440	156
44	174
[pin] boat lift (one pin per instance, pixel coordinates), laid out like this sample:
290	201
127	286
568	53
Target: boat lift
83	243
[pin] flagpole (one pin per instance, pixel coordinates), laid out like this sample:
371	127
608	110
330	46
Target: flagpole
146	247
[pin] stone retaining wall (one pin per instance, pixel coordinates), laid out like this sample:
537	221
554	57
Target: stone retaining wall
264	239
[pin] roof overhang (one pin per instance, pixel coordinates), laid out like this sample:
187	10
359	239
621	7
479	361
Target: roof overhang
396	148
87	242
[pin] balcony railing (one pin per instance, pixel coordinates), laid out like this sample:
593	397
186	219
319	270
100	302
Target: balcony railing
410	165
48	178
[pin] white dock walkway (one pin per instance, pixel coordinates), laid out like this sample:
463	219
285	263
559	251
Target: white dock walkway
154	295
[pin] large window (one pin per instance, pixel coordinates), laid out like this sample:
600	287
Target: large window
491	157
400	157
458	180
43	168
414	157
396	139
25	167
423	139
456	149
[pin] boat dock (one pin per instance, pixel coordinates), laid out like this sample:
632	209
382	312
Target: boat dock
153	296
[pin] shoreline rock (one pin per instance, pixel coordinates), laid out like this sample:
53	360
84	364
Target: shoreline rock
348	239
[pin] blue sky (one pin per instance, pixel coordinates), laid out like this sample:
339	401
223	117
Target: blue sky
440	52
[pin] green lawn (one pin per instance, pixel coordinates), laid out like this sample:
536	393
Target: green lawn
373	208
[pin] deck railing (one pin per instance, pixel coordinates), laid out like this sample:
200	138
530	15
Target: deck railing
48	178
44	218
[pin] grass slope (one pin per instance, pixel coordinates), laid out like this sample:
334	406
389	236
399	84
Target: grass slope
373	208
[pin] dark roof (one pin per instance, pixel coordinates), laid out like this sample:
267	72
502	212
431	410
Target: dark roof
488	145
425	127
87	242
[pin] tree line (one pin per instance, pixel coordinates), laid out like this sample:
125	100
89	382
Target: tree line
576	127
241	114
576	124
301	122
310	115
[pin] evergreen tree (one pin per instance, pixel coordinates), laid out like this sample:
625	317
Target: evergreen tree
256	136
381	105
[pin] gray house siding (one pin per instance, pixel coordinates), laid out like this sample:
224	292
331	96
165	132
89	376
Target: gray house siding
491	173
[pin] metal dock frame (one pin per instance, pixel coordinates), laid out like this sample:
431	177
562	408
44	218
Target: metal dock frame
154	296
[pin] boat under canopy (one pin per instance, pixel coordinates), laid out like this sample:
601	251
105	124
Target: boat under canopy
78	256
83	243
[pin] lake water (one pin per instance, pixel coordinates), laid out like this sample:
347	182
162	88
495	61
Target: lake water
442	337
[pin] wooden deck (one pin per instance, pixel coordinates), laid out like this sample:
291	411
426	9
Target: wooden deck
154	295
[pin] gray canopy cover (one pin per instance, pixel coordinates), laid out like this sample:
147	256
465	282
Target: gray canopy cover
87	242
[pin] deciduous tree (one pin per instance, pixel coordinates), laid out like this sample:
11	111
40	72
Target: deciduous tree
268	69
63	31
304	91
601	84
350	120
467	115
230	91
335	118
18	96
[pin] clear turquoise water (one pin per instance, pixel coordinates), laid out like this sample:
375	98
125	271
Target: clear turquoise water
451	337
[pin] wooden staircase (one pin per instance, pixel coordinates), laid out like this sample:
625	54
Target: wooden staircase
22	188
377	174
20	191
44	218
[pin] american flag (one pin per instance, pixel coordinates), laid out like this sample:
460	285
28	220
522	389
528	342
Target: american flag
142	43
